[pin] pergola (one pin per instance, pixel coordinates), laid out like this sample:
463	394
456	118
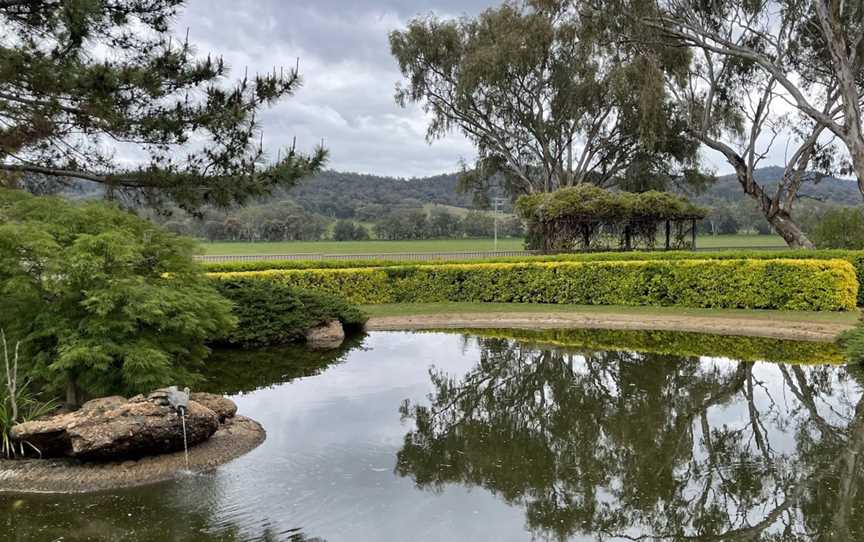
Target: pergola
587	218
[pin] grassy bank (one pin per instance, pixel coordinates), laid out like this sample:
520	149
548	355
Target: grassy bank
418	309
442	245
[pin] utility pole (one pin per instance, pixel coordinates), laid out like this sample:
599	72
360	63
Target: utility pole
497	202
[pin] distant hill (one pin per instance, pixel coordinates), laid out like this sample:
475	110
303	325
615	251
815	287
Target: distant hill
828	189
345	195
359	196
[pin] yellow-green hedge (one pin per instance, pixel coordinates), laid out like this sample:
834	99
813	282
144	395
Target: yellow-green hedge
817	285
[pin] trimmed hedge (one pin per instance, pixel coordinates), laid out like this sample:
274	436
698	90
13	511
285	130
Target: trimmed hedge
818	285
854	257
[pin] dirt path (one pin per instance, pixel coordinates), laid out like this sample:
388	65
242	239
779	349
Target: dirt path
747	327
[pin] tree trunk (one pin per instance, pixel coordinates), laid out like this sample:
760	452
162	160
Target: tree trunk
790	231
857	153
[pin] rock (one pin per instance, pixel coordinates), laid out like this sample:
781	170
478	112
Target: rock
223	407
113	428
328	335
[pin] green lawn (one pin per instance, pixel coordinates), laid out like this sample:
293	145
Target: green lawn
414	309
443	245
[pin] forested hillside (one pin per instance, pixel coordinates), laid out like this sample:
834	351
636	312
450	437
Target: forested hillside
366	197
431	207
826	189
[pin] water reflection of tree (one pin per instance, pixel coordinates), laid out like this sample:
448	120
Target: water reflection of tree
647	446
234	371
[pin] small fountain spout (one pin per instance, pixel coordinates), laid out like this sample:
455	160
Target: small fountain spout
179	401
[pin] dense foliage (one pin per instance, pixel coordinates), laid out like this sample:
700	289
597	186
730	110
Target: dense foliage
78	79
856	258
841	228
270	313
748	284
585	216
348	230
546	102
103	301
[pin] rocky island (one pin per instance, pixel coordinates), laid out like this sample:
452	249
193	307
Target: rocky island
115	442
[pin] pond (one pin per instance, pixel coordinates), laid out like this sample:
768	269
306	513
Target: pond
485	436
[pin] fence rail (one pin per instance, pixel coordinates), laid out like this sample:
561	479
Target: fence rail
396	256
414	256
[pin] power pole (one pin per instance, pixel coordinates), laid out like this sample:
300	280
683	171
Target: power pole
497	202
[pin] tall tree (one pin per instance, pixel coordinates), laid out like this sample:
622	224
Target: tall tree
86	83
545	103
812	49
733	106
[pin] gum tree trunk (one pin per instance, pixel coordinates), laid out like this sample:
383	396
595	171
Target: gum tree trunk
790	231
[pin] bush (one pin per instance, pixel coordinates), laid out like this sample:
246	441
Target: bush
840	228
746	284
346	230
271	313
104	302
852	342
854	257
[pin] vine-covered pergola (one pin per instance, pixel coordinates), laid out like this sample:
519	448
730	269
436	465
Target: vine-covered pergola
586	217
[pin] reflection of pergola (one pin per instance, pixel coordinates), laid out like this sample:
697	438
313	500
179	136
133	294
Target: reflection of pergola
586	218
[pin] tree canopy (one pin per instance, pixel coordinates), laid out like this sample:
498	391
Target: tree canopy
546	103
101	91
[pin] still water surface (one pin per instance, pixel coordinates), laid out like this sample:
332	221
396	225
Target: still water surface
441	436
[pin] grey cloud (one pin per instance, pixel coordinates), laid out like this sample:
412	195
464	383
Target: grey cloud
349	76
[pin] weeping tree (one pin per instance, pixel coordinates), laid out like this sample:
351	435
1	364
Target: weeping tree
546	102
100	91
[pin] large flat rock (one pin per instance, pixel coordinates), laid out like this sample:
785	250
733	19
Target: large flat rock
113	428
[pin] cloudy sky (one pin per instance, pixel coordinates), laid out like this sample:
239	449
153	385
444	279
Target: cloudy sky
349	76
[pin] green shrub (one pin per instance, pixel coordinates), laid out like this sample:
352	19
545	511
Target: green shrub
841	228
103	301
855	257
752	284
271	313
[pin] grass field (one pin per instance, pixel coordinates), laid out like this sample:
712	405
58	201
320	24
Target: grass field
443	245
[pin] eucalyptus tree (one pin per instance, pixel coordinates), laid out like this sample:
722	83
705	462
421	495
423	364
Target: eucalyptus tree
732	104
100	91
811	49
546	103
